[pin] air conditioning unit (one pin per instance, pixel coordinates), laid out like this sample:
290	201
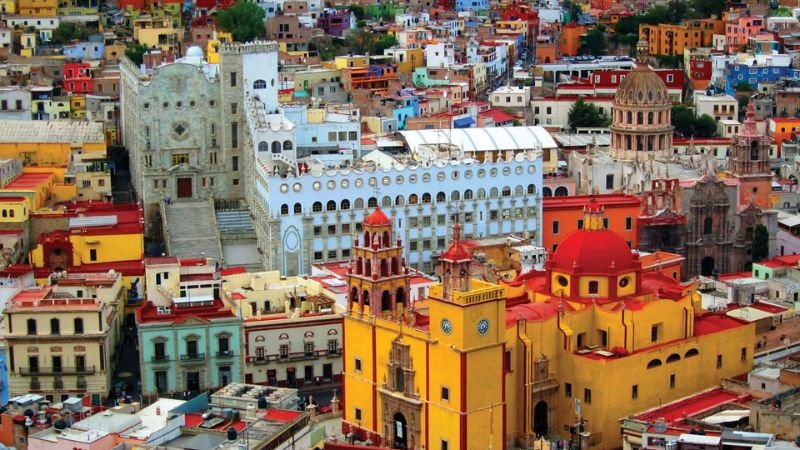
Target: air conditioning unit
163	310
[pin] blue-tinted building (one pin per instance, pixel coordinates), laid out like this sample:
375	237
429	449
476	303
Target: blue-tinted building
755	75
472	5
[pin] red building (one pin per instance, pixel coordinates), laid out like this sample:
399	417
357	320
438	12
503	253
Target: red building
604	83
78	78
699	73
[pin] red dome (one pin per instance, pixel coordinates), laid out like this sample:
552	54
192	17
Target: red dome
456	252
600	252
377	218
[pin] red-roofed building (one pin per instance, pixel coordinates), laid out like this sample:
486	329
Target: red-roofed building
604	83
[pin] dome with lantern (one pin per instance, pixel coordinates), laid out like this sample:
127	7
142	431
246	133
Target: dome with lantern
642	86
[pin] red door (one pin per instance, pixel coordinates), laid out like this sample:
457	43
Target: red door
184	188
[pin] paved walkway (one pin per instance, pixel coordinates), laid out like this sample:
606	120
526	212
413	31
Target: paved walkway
790	329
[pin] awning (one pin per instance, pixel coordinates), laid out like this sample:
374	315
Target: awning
464	122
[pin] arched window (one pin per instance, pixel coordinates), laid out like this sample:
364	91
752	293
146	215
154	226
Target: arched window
531	189
31	326
673	358
547	192
298	208
506	191
287	145
519	190
561	191
331	206
708	225
468	194
691	352
639	118
653	363
77	325
754	151
481	194
284	209
493	193
345	205
440	197
316	207
55	326
5	213
594	287
426	198
259	84
359	204
386	201
10	213
455	196
263	146
372	202
412	199
276	147
399	200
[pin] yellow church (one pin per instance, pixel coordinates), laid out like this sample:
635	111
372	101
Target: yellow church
562	353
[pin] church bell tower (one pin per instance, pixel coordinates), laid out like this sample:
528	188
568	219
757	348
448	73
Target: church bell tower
749	163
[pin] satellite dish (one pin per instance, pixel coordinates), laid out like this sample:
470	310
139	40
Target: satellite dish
660	426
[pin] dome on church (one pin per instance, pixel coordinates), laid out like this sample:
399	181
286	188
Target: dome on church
377	218
642	87
601	252
194	51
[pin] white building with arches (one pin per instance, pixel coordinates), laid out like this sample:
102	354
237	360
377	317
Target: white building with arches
307	212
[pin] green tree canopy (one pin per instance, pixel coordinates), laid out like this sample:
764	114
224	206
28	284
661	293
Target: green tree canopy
760	248
743	86
68	32
362	41
594	43
584	114
708	8
358	10
135	52
686	124
244	20
782	12
574	10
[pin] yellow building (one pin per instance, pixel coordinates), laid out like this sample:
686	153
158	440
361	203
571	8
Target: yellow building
563	352
38	8
29	44
8	6
77	106
163	32
406	59
212	47
670	39
74	151
62	339
345	61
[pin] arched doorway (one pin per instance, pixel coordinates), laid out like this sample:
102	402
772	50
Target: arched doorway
400	432
540	418
707	266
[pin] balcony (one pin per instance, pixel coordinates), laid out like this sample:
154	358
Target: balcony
58	384
84	370
160	358
81	384
295	356
225	354
194	357
36	385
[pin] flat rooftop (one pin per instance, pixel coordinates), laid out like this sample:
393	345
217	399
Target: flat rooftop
51	132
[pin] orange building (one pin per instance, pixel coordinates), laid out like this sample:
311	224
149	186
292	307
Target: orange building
668	39
783	128
563	215
570	39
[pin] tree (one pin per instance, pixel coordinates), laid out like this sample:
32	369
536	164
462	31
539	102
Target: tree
68	32
743	86
594	43
358	10
587	115
705	126
760	249
782	11
573	9
135	52
708	8
678	10
683	120
657	14
245	20
362	41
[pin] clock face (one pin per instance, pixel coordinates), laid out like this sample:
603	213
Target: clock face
483	327
447	326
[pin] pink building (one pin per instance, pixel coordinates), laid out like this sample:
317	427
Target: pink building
739	30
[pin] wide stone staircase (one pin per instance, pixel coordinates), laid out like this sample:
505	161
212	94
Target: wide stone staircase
238	237
190	229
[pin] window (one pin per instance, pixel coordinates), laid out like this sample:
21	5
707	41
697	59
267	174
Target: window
332	254
594	287
672	381
284	351
654	332
180	158
444	445
331	230
358	365
77	326
555	227
308	349
55	326
235	163
568	390
223	345
744	353
333	346
507	361
234	134
358	414
708	225
31	326
610	181
445	393
587	396
634	392
580	224
93	254
234	108
331	136
629	223
581	340
259	84
159	351
233	79
719	361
